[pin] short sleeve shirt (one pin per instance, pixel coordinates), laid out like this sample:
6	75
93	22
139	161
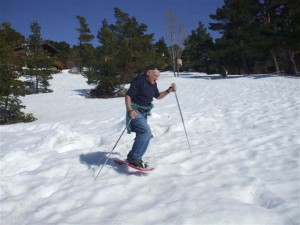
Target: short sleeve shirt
141	91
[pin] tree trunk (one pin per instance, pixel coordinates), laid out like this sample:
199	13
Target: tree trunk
36	85
5	118
291	62
174	63
245	63
275	61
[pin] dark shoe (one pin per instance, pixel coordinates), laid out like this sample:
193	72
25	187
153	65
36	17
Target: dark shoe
137	162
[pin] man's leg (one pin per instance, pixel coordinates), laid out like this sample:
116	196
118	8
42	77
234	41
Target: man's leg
143	137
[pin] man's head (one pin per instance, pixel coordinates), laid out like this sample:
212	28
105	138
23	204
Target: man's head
152	73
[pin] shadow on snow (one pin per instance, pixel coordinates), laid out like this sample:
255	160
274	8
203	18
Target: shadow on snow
83	92
95	161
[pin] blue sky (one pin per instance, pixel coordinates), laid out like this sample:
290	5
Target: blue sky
58	22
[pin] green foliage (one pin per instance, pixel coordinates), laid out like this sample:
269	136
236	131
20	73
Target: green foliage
107	87
125	51
107	83
163	53
10	111
38	61
197	47
126	45
85	50
84	31
255	33
88	55
11	87
237	24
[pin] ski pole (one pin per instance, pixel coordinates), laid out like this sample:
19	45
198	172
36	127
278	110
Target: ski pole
108	157
183	122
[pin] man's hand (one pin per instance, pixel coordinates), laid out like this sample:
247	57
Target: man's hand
172	88
132	113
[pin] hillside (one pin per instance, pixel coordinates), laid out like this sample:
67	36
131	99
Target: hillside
243	167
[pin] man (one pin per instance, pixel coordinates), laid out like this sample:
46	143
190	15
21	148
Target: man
138	101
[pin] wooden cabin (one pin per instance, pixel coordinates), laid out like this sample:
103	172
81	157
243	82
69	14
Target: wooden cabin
21	50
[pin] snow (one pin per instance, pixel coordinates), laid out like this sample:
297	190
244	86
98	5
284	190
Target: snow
243	167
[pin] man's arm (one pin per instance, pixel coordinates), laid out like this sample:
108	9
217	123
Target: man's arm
132	113
128	103
163	94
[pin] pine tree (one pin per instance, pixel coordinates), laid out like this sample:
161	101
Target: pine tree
11	87
162	49
197	47
282	23
85	37
134	49
124	52
256	33
38	61
235	22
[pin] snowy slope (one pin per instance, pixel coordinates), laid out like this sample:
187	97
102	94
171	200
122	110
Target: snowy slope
243	168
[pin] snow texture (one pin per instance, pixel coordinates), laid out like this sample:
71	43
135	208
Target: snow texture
243	167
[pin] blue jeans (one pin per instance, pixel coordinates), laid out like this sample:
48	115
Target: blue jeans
143	137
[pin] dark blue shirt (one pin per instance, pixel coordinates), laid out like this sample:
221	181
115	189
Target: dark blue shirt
141	91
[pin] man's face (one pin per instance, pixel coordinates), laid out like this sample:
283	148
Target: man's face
153	75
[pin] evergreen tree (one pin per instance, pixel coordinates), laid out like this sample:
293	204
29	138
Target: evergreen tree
256	33
85	37
235	21
197	47
282	24
38	61
132	48
11	87
124	52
